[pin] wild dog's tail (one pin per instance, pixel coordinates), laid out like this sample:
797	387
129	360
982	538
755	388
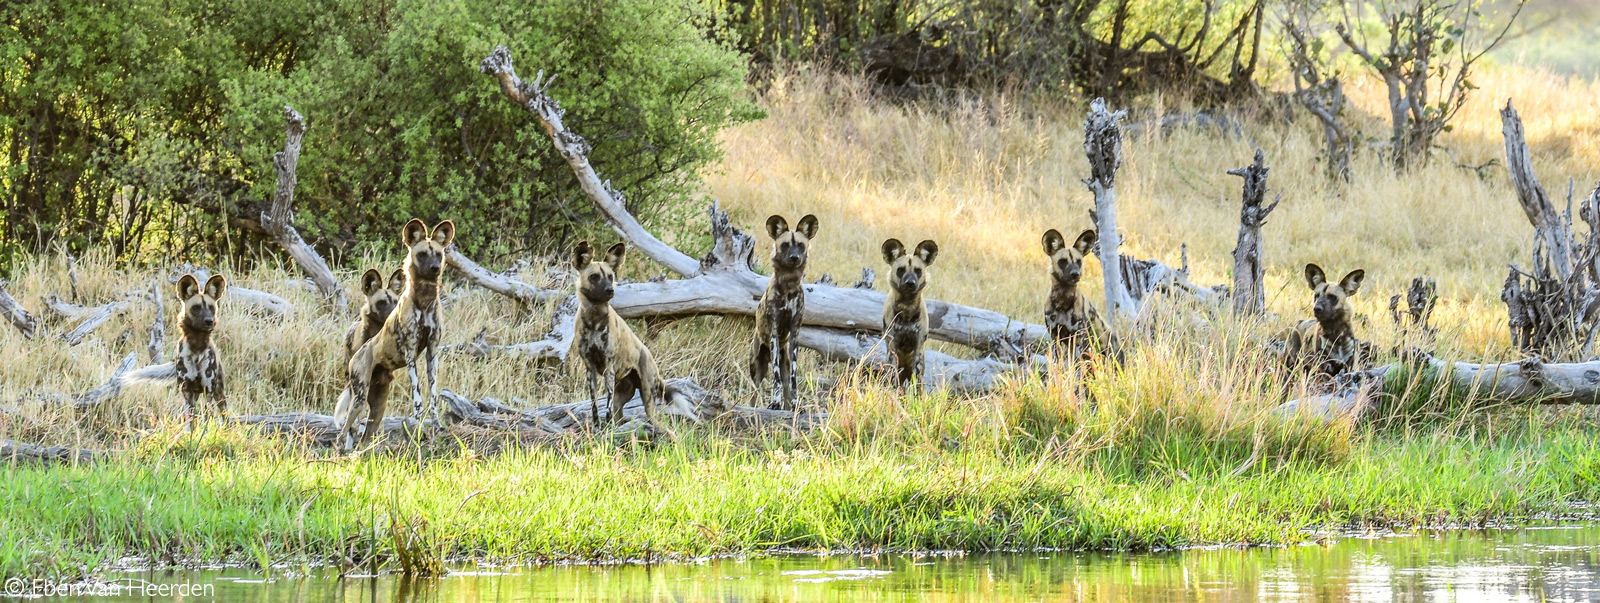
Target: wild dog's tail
166	372
678	403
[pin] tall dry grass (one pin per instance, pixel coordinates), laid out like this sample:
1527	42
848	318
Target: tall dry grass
983	174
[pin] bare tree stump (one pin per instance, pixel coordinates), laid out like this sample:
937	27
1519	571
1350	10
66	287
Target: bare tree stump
1249	280
1102	144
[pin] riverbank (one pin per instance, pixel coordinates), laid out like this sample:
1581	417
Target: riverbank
229	494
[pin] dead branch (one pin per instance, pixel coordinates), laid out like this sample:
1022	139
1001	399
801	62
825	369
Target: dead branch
279	221
12	451
575	150
1528	381
1249	279
1547	223
158	327
525	294
25	323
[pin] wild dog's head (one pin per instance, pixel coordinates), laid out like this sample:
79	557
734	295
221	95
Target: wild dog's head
425	259
1066	263
1329	301
381	298
790	247
200	303
597	280
908	273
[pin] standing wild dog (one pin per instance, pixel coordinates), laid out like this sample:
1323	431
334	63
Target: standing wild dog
198	367
781	308
381	302
411	330
905	315
1073	322
1326	343
609	347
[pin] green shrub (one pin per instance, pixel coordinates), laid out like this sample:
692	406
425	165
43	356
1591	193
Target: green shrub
150	126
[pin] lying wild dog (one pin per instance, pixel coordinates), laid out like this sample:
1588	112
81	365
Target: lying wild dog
609	347
381	301
198	367
779	314
1073	322
905	315
412	329
1326	343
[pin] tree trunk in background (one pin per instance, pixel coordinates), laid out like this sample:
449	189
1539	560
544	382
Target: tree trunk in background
1102	144
279	222
1249	289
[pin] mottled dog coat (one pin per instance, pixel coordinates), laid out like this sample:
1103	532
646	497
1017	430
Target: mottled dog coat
197	369
381	301
782	308
1073	322
905	315
412	330
610	348
1326	343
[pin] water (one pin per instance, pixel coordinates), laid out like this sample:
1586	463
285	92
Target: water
1556	564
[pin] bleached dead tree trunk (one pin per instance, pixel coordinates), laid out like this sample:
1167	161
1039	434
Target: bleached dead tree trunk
1102	144
279	221
1249	289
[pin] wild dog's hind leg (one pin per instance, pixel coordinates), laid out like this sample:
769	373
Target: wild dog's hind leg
377	402
627	384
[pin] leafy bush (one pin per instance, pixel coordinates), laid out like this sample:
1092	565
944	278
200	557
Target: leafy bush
150	126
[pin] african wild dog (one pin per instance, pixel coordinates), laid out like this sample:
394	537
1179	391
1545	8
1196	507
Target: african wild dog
778	317
381	301
198	367
1073	322
609	347
411	330
905	315
1326	343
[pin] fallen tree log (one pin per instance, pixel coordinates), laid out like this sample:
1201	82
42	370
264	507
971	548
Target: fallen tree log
279	222
26	323
322	430
158	326
525	294
12	451
1527	381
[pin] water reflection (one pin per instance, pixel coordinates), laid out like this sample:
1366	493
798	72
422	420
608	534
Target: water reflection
1523	565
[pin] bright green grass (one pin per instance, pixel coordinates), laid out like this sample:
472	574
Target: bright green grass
233	495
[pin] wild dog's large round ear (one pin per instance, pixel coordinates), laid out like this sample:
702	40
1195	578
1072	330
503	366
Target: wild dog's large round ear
892	250
444	232
1352	282
776	226
371	282
927	250
581	255
188	287
615	254
808	226
397	280
1053	241
413	232
1086	241
216	286
1314	276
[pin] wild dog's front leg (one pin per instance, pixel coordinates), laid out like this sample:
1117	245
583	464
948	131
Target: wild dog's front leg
778	376
791	350
219	395
433	380
189	407
416	390
594	397
917	370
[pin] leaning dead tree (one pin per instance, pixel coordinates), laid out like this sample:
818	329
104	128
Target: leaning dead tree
1102	144
279	221
1322	95
1552	306
1249	280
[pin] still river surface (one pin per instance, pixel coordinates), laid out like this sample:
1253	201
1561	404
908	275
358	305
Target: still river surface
1536	564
